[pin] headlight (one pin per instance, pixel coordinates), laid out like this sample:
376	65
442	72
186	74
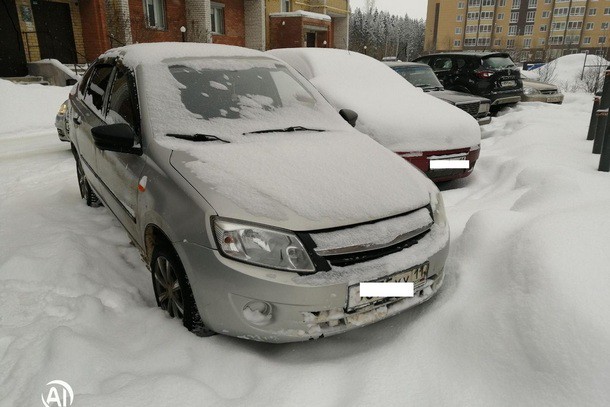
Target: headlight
438	208
528	90
278	249
484	107
62	109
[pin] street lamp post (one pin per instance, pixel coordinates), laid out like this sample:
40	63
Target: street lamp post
183	31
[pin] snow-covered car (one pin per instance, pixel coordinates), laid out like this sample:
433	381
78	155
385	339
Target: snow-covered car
422	76
61	122
258	209
535	91
422	129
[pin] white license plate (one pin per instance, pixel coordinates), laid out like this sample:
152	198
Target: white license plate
416	275
554	99
506	84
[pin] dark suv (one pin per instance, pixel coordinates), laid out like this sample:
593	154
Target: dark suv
492	75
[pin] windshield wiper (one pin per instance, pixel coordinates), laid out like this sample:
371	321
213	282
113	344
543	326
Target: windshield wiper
284	130
198	137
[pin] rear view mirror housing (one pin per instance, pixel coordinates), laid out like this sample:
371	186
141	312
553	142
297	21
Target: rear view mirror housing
118	137
350	116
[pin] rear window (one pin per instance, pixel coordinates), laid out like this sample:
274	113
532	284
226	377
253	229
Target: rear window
498	62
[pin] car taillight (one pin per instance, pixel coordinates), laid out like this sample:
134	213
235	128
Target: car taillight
484	74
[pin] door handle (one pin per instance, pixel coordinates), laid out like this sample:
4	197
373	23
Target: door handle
77	120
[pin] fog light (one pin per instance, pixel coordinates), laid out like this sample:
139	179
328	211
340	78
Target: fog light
258	312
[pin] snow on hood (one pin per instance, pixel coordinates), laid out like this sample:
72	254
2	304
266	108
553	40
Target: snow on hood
301	181
390	109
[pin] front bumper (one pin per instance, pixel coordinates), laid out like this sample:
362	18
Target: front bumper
302	308
550	98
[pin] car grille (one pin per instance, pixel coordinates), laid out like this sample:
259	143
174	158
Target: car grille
549	92
365	242
470	108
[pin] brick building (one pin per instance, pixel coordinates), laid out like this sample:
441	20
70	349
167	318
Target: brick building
77	31
529	29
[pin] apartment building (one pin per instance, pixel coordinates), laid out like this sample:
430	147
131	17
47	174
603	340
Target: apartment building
528	29
76	31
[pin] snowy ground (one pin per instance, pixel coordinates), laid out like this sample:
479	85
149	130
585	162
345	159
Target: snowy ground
522	319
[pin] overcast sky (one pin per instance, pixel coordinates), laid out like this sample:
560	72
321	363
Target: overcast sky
415	8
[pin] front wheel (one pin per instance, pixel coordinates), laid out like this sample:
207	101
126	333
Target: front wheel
86	192
173	291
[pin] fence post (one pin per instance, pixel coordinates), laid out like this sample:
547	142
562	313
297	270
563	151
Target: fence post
602	115
593	121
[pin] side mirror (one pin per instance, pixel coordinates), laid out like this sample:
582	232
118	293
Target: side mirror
118	137
349	115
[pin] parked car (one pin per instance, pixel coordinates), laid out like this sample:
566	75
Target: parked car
61	122
257	208
422	129
422	76
535	91
492	75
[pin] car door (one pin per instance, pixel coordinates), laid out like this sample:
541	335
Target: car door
87	112
120	172
442	66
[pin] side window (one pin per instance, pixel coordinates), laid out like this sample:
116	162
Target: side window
121	105
96	90
83	82
461	63
443	64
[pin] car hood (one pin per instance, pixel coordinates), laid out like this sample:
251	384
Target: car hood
454	97
539	85
302	181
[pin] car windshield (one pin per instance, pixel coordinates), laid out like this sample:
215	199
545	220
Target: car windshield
232	96
498	62
420	76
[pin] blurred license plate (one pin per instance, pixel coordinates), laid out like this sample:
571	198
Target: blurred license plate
416	275
554	99
506	84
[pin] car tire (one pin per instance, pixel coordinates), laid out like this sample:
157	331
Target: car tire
86	192
173	291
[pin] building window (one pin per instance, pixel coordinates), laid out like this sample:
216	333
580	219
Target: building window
471	29
498	29
590	26
529	29
574	25
572	39
285	6
470	42
592	11
527	43
484	42
586	40
461	5
485	28
510	43
514	16
487	15
607	11
561	26
456	43
502	3
605	26
473	16
458	30
516	4
560	11
541	41
497	43
546	14
547	1
218	18
155	13
577	11
459	18
530	16
500	16
489	2
512	30
532	4
472	3
556	40
543	28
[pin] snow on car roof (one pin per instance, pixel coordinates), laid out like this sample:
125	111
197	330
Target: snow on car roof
391	110
154	53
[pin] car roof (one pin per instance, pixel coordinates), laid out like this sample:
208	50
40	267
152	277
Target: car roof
393	64
476	54
155	53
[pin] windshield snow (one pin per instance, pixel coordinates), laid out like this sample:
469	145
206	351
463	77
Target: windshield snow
231	96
